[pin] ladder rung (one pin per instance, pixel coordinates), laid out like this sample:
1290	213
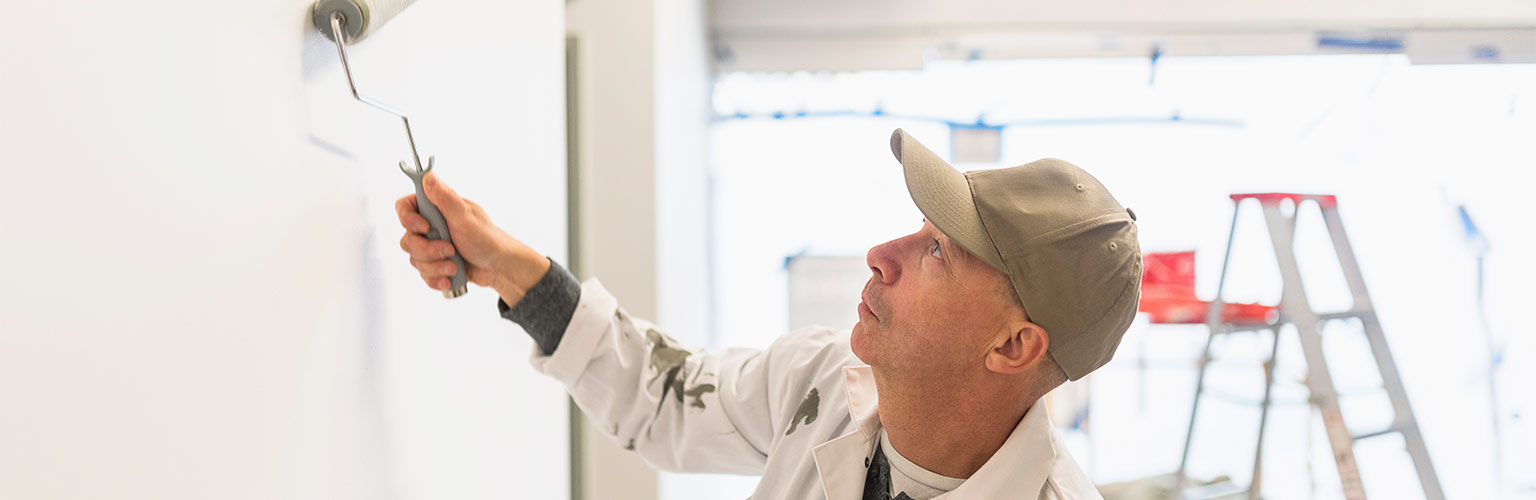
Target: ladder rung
1212	491
1388	430
1342	315
1246	327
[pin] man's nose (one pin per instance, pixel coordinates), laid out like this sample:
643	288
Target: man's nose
882	262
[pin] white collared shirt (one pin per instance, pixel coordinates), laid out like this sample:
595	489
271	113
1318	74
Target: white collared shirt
802	414
911	479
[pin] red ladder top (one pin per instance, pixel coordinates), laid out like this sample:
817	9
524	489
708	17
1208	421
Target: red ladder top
1323	200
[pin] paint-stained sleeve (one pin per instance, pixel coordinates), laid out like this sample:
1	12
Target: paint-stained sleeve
679	409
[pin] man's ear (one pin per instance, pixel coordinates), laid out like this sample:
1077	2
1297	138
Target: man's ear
1020	345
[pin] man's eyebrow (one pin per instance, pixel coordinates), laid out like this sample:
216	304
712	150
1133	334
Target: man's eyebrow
942	237
949	246
945	243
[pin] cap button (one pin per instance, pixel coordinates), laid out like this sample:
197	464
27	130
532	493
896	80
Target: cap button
1131	212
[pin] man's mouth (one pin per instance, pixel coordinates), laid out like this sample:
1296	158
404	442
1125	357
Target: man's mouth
864	307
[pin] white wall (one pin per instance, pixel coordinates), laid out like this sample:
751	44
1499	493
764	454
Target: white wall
643	97
682	168
685	294
203	296
616	144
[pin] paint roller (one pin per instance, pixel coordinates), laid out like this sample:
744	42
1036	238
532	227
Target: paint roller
348	21
359	18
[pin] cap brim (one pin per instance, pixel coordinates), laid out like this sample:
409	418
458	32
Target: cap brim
943	194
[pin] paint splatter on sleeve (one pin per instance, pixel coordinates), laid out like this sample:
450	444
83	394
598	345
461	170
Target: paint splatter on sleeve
689	410
806	412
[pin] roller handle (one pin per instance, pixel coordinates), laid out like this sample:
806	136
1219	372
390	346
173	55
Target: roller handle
439	229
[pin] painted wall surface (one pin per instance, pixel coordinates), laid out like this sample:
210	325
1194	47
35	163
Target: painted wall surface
203	294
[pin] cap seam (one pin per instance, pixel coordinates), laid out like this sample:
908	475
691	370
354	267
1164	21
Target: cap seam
976	207
1095	219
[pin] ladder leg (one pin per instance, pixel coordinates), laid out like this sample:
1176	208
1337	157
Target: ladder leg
1320	384
1404	421
1214	324
1194	410
1298	311
1269	382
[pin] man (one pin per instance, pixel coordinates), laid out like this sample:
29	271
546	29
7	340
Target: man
1018	280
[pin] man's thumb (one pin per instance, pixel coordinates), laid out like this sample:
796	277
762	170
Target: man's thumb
448	202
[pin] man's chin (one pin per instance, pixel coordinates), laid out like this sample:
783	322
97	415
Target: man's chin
859	341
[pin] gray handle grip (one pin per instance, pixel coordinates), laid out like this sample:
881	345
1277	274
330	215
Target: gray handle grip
439	229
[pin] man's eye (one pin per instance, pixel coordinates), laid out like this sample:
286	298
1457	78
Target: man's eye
936	250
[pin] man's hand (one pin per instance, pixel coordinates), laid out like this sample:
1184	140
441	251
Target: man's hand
495	259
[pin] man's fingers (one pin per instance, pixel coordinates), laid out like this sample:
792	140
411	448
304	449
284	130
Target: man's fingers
412	221
437	283
431	270
447	201
406	204
421	248
432	273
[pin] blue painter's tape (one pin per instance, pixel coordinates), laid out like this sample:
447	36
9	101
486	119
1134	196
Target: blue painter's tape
1345	42
1487	53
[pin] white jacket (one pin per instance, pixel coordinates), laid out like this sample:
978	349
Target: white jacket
802	413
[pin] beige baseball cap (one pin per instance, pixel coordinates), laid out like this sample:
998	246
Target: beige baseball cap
1068	247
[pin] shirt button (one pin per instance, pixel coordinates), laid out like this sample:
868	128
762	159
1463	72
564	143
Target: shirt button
866	462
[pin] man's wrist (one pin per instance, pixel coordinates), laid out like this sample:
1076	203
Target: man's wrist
517	274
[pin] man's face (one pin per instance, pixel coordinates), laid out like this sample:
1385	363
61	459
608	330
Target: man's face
929	307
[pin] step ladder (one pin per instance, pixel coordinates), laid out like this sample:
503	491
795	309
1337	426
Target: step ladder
1294	309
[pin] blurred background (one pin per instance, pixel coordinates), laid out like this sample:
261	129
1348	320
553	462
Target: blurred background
203	295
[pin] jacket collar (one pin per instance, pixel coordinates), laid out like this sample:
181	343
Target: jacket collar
1017	470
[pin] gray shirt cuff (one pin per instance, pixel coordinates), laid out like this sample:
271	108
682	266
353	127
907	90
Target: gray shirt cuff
546	309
